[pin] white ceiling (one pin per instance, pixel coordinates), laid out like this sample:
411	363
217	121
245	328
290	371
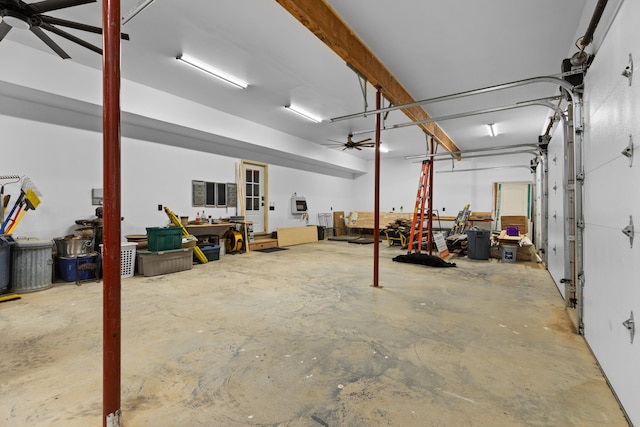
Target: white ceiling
433	48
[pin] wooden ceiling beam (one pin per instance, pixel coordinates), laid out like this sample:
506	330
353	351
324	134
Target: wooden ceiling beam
320	18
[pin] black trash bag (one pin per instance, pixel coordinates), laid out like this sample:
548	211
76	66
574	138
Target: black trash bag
424	259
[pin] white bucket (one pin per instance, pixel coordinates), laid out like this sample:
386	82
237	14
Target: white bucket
509	253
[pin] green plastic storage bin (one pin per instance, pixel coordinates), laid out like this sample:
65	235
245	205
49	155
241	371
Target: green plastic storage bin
164	238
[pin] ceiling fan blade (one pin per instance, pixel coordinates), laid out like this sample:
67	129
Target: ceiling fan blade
358	148
45	38
4	29
71	37
77	25
364	140
49	5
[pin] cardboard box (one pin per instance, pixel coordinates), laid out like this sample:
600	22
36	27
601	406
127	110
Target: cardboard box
515	221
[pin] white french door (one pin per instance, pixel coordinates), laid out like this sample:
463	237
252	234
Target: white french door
254	194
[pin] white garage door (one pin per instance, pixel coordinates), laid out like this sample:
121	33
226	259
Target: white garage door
555	235
612	196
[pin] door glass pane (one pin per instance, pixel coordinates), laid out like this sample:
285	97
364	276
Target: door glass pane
249	175
256	204
256	190
210	194
249	190
248	204
256	176
221	194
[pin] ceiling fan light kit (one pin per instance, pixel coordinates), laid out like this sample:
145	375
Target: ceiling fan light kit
15	20
31	16
208	69
302	113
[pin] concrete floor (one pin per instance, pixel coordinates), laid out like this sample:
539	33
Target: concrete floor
299	338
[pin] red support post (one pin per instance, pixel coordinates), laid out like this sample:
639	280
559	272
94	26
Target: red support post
111	213
376	197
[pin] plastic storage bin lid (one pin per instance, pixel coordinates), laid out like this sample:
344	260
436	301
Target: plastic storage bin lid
6	240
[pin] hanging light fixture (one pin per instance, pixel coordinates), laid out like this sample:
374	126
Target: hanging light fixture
492	129
206	68
136	10
302	113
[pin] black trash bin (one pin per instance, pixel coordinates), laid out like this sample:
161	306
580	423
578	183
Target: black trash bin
6	242
478	244
321	232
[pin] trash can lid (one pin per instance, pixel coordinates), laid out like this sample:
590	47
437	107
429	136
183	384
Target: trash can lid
6	240
33	242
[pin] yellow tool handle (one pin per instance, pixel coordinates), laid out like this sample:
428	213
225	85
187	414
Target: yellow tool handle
196	250
16	222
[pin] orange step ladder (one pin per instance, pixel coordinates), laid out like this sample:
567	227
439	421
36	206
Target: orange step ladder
423	197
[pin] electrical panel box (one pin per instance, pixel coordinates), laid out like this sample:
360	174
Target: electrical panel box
298	204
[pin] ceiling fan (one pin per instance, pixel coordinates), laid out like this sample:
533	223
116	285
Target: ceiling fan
21	15
351	144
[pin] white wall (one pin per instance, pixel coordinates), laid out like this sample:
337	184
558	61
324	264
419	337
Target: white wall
323	194
451	191
66	163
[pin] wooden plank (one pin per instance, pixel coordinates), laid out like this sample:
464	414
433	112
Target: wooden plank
339	228
519	221
263	244
320	18
290	236
363	219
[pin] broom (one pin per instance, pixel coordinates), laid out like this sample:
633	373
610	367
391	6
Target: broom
34	194
31	202
4	201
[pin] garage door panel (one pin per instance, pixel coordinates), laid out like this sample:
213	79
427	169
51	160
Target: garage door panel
555	258
611	343
607	132
612	57
609	197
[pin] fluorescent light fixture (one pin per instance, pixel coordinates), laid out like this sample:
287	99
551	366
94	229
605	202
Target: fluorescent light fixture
383	149
206	68
136	10
302	113
492	129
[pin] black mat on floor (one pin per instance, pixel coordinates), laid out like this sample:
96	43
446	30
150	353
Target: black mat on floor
424	259
363	240
342	238
267	250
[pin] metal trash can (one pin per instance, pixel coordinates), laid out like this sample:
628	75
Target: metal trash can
478	244
32	265
6	242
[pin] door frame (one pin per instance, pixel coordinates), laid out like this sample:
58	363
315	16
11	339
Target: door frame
265	190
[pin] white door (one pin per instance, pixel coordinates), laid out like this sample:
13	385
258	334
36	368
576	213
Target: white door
254	184
611	199
514	198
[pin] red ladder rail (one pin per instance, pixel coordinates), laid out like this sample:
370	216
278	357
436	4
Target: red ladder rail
423	197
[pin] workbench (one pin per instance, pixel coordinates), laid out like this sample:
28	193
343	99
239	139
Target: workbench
204	232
